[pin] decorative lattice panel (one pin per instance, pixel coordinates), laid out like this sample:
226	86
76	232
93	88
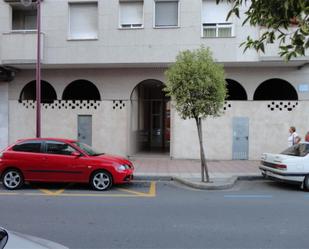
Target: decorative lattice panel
227	105
64	104
282	105
118	104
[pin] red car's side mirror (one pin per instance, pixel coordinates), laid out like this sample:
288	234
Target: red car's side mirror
76	154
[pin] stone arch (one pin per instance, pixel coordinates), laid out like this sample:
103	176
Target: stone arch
81	90
155	89
275	89
235	90
48	93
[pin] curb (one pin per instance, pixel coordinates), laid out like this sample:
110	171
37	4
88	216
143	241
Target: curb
153	178
250	178
227	183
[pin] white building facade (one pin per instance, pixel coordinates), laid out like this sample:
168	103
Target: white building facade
103	66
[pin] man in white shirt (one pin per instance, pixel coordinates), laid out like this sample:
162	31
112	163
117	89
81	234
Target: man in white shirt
293	138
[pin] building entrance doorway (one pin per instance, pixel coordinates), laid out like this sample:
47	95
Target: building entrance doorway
150	118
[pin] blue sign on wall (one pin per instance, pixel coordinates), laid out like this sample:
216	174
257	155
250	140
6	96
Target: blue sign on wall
303	87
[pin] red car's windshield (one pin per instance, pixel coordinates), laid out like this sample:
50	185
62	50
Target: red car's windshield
87	149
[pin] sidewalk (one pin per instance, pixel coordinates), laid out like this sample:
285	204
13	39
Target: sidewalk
223	174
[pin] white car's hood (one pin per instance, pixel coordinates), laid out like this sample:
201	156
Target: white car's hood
18	240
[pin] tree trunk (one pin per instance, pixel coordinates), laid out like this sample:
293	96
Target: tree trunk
204	168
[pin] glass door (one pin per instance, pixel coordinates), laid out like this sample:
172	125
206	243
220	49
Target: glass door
156	131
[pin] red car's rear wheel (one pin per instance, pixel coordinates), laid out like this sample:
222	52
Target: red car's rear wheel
12	179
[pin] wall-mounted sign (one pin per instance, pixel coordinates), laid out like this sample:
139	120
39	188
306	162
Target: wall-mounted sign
303	87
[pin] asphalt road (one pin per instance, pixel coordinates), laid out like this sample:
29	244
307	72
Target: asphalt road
254	214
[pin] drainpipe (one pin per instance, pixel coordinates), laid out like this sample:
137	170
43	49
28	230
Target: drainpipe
38	72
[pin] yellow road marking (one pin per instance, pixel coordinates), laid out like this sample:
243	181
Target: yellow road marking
151	193
60	192
131	191
152	190
53	193
82	195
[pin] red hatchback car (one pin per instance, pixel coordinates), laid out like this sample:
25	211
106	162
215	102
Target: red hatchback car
61	160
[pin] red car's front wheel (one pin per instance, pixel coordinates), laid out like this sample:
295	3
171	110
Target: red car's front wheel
101	180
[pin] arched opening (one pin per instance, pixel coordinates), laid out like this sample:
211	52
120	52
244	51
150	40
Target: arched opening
235	90
150	117
48	93
81	90
275	89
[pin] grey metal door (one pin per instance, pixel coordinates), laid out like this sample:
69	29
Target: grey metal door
240	138
85	129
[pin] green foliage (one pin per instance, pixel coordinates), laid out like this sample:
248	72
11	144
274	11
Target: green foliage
196	84
285	20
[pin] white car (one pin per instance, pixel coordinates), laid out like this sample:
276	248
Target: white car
292	165
14	240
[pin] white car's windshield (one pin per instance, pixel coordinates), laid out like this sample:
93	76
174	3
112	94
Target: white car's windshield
87	149
297	150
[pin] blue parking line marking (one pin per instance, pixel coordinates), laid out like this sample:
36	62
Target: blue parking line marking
249	196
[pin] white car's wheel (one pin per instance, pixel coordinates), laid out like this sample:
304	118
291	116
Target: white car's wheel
306	183
12	179
101	180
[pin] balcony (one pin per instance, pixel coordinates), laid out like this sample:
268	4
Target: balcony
20	47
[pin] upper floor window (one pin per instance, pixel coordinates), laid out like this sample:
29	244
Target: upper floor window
83	20
131	14
23	18
217	29
166	13
214	22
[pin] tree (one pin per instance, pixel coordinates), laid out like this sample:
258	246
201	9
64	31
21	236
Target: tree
197	87
284	20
